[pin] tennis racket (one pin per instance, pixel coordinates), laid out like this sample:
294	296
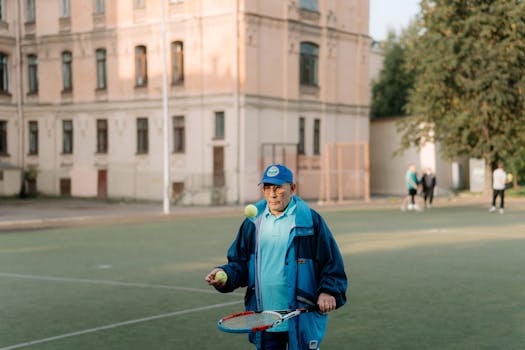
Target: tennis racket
251	321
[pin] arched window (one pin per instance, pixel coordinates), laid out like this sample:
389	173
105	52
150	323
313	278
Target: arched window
309	64
101	69
67	71
141	66
177	62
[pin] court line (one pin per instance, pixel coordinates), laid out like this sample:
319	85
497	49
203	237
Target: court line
120	324
112	283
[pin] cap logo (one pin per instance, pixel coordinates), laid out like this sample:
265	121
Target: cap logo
273	171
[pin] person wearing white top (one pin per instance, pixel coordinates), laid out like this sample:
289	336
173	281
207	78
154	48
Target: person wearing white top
499	179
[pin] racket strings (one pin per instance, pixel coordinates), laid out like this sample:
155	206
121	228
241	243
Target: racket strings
251	320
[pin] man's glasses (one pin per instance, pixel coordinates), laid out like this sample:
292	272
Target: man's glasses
279	190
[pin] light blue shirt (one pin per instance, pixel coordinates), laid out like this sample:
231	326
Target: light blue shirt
273	242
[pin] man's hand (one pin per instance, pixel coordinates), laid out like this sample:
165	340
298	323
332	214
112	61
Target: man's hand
326	303
210	278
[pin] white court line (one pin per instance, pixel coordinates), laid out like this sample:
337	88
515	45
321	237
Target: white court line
111	283
120	324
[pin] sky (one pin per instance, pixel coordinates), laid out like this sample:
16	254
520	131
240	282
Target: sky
387	14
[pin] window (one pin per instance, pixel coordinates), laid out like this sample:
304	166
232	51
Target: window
141	72
4	76
3	137
309	5
67	71
308	64
33	137
67	136
317	137
32	74
65	8
178	134
30	11
100	6
177	62
2	10
138	4
300	146
219	125
101	69
102	136
142	135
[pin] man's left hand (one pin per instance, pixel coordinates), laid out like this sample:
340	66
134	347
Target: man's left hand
326	303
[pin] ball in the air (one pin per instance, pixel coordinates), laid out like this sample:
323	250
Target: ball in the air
250	211
221	276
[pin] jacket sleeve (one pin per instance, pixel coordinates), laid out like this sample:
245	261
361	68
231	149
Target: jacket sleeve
332	276
238	255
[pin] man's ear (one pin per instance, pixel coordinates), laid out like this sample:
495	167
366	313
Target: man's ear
293	187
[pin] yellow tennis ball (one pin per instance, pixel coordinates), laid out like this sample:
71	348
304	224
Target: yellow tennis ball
250	211
221	276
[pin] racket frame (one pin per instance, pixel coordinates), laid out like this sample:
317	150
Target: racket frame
283	316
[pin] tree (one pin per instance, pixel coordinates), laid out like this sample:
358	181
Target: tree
469	87
390	91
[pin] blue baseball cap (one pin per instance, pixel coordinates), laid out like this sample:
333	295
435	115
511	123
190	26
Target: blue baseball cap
277	174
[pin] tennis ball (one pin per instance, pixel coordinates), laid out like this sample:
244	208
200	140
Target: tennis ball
221	276
250	211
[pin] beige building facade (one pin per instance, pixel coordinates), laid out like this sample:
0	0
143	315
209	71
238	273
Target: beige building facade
250	82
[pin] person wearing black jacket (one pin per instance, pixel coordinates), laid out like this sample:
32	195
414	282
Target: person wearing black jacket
428	183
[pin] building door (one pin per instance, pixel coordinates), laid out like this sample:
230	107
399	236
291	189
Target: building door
218	166
65	186
102	184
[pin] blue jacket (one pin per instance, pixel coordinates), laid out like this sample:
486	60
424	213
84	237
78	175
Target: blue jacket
313	265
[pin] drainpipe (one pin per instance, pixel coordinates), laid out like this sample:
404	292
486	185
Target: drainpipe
19	106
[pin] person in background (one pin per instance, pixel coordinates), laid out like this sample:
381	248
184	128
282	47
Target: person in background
499	180
428	183
287	258
412	185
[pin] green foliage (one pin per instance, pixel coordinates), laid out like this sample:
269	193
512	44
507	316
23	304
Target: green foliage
470	79
390	91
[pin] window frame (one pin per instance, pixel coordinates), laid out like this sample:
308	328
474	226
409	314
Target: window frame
317	137
220	125
309	64
101	64
30	11
310	5
301	139
99	7
177	62
67	71
32	74
67	136
3	137
4	73
179	134
102	136
65	9
141	66
142	135
32	126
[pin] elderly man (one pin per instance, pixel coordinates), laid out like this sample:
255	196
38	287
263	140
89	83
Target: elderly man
287	258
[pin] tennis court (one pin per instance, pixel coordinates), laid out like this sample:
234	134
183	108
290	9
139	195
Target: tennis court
449	278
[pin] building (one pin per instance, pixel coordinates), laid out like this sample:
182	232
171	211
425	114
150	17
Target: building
249	82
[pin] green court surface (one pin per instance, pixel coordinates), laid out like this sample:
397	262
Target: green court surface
449	278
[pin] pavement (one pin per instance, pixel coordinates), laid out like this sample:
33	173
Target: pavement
23	214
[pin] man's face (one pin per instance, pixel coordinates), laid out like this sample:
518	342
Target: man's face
278	197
